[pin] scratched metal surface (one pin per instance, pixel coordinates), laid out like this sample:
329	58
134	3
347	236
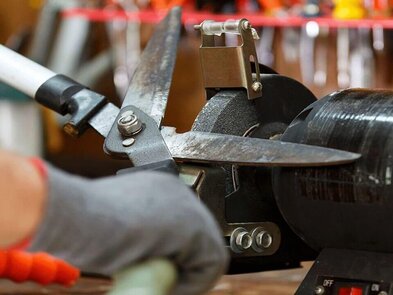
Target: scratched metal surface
228	149
149	87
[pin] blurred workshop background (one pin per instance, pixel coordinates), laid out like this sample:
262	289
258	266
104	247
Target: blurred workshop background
325	44
81	48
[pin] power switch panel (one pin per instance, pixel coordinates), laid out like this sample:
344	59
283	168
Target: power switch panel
349	272
341	286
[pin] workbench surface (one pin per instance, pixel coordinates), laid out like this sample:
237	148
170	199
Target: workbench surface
271	283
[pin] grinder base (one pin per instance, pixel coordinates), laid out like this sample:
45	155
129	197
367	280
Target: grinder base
339	272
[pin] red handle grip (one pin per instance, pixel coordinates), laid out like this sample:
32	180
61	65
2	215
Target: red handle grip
20	266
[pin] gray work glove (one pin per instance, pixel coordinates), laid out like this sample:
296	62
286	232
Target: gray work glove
105	225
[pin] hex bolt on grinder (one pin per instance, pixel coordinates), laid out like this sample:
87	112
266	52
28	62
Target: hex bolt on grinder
288	177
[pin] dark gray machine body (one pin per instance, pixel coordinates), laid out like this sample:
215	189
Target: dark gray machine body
248	191
342	212
347	207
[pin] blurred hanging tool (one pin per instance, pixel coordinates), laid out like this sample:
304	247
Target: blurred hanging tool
345	9
343	57
378	9
291	35
362	65
70	42
265	45
378	38
320	74
357	65
125	41
381	9
315	69
309	33
91	71
290	44
45	28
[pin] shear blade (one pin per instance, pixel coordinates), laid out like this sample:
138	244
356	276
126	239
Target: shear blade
149	87
246	151
103	121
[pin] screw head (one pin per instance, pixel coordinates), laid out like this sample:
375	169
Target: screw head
256	86
264	239
128	142
241	240
319	290
244	240
127	119
129	124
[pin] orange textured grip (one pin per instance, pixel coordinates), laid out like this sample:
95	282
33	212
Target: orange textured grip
66	275
44	269
20	266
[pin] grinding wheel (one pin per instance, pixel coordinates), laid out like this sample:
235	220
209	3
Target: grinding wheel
249	190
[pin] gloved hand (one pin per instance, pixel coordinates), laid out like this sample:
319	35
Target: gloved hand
105	225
